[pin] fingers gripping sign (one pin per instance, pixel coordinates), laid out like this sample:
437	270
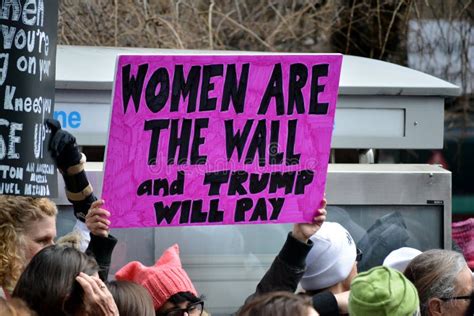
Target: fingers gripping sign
304	231
97	219
97	298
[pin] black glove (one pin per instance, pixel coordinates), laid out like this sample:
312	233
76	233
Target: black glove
63	146
64	150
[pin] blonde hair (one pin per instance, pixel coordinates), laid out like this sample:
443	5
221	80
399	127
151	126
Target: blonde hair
16	214
14	307
72	239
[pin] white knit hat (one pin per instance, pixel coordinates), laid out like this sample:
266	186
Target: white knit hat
331	259
400	258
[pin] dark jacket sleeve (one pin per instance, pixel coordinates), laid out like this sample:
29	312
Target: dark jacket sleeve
287	268
325	304
101	249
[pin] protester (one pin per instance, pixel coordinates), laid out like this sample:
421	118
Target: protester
278	304
443	281
14	307
400	258
131	298
167	282
88	210
61	280
383	291
27	225
331	263
289	266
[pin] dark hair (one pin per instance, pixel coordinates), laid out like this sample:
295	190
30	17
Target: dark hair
131	298
276	304
179	298
182	297
49	284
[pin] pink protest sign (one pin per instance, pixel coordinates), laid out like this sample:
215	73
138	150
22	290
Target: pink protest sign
209	140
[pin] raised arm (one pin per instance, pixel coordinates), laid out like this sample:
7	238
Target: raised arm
102	243
289	265
70	163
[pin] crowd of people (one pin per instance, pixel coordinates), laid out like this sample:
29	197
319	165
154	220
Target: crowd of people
315	272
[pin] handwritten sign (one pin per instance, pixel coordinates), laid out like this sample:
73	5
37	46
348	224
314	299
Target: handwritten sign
206	140
27	78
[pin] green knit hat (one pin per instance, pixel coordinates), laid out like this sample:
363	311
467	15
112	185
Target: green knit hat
382	291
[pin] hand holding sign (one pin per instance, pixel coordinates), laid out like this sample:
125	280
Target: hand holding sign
304	231
97	219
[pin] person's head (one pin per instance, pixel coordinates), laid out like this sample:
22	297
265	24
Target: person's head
164	281
443	281
383	291
131	298
14	307
182	302
27	226
331	263
48	282
278	304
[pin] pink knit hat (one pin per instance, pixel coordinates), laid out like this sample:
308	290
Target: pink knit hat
463	235
163	280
